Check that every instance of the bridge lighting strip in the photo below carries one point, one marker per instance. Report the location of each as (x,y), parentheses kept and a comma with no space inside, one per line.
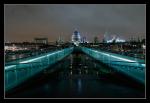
(143,65)
(8,67)
(117,57)
(27,61)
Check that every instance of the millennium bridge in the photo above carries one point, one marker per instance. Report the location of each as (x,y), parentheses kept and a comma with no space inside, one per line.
(20,71)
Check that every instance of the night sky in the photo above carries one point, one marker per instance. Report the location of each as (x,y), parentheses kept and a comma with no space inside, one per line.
(25,22)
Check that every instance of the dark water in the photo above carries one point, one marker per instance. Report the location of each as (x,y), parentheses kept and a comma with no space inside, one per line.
(78,76)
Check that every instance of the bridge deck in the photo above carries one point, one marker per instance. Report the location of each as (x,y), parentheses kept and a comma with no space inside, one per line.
(18,71)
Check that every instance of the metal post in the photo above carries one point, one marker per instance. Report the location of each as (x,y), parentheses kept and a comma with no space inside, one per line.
(16,74)
(103,58)
(41,62)
(47,59)
(6,78)
(31,68)
(109,59)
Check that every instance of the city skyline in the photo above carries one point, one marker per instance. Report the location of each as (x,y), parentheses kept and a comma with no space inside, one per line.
(24,22)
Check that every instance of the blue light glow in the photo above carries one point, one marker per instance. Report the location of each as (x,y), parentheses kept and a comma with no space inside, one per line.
(143,65)
(31,60)
(28,71)
(118,62)
(8,67)
(115,56)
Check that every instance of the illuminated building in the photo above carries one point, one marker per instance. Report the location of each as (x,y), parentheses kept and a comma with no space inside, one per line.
(112,38)
(76,38)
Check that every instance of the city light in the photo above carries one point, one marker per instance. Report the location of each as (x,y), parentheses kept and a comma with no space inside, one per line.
(47,57)
(117,40)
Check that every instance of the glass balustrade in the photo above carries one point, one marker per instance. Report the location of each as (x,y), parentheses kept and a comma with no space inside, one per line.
(18,72)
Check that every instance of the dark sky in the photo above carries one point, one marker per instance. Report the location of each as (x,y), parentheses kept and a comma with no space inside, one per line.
(24,22)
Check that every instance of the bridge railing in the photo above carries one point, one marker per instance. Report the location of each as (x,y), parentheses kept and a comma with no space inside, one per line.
(19,71)
(132,67)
